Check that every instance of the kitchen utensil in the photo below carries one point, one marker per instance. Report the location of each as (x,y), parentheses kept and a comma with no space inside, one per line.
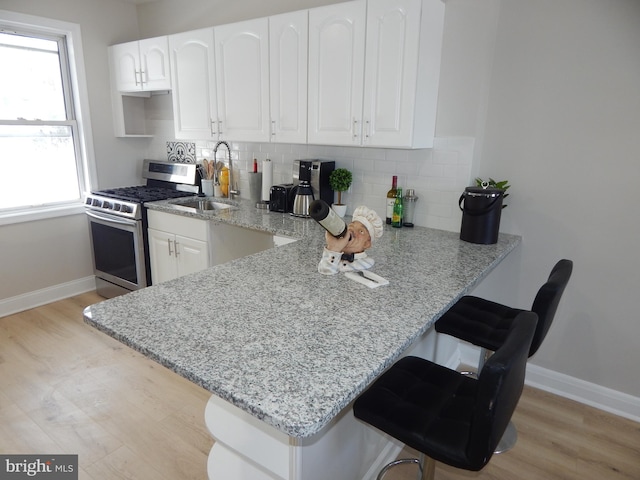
(365,277)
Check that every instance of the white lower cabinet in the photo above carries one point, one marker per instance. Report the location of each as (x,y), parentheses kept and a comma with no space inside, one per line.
(177,246)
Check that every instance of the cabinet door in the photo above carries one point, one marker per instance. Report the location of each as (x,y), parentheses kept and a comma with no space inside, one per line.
(393,32)
(336,73)
(288,53)
(125,63)
(191,255)
(154,63)
(242,68)
(193,84)
(162,256)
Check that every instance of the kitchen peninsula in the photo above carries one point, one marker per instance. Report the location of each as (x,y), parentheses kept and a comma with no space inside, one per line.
(285,350)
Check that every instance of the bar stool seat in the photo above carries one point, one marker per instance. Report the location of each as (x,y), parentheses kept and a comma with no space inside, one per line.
(450,417)
(485,323)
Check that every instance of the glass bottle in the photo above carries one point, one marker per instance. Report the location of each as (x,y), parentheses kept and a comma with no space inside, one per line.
(322,213)
(396,219)
(391,198)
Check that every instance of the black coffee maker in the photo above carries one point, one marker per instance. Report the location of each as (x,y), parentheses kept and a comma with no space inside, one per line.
(319,172)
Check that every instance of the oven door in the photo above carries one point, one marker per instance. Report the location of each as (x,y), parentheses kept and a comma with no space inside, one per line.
(118,253)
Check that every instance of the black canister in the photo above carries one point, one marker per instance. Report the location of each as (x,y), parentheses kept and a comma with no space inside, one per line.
(480,214)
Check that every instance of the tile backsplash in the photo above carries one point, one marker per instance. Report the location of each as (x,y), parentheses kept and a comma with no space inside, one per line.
(438,175)
(181,152)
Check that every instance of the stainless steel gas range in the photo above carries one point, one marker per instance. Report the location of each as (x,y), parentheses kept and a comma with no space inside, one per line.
(118,225)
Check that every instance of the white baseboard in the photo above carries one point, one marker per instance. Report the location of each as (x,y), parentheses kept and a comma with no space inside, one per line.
(19,303)
(602,398)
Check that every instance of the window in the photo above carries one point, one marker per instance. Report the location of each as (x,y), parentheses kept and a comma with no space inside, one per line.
(43,160)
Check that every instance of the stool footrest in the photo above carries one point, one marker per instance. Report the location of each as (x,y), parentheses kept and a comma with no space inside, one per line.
(426,467)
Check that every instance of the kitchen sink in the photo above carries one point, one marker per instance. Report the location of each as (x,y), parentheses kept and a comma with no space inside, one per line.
(202,204)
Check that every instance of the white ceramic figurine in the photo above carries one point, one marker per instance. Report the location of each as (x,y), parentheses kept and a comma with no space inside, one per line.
(348,253)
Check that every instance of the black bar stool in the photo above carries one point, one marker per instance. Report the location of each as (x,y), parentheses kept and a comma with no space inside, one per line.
(447,416)
(485,323)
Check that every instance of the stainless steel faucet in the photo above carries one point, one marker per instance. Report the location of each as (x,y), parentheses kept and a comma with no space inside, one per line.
(231,190)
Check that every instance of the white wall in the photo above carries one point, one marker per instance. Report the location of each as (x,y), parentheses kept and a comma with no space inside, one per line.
(40,255)
(563,125)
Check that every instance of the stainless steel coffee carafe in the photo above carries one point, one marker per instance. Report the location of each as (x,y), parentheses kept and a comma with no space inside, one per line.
(304,197)
(304,192)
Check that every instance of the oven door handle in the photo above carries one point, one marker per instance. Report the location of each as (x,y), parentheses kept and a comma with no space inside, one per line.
(110,218)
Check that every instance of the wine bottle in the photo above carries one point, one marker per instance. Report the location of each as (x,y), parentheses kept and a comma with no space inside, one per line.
(391,198)
(396,219)
(322,213)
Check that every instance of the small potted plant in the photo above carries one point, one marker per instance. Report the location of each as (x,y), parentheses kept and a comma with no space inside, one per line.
(340,181)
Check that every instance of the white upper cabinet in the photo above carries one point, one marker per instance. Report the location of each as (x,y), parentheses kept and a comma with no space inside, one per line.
(361,73)
(141,66)
(384,94)
(336,73)
(288,54)
(242,73)
(195,111)
(402,73)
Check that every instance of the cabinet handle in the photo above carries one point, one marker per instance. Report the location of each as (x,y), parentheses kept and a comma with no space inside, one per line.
(175,244)
(273,128)
(355,128)
(366,130)
(169,244)
(213,132)
(135,77)
(142,77)
(219,127)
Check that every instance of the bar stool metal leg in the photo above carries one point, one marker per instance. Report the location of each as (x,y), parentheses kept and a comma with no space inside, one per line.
(428,467)
(508,440)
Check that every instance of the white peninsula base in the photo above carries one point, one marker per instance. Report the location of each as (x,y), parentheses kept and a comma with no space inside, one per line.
(246,448)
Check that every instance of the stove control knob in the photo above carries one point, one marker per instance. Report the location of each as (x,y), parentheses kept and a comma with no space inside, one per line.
(117,207)
(96,202)
(125,208)
(107,205)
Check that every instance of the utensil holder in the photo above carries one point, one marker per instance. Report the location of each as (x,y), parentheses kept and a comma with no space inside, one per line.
(255,186)
(207,187)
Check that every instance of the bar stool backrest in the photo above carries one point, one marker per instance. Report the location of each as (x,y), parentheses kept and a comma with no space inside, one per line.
(547,299)
(500,385)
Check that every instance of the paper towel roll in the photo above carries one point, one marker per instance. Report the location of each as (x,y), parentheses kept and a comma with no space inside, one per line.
(267,179)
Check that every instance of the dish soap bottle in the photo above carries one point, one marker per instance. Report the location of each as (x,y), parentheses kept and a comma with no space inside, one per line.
(396,219)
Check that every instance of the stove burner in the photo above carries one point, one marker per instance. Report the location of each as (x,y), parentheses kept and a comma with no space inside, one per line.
(142,193)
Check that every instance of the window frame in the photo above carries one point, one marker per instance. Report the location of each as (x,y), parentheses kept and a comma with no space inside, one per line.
(79,98)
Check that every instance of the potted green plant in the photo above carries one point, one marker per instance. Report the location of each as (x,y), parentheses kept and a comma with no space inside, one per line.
(340,181)
(502,185)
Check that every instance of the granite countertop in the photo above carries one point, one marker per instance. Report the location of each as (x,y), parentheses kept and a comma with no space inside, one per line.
(292,347)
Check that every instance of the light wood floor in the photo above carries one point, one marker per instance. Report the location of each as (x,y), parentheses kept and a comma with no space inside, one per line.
(67,388)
